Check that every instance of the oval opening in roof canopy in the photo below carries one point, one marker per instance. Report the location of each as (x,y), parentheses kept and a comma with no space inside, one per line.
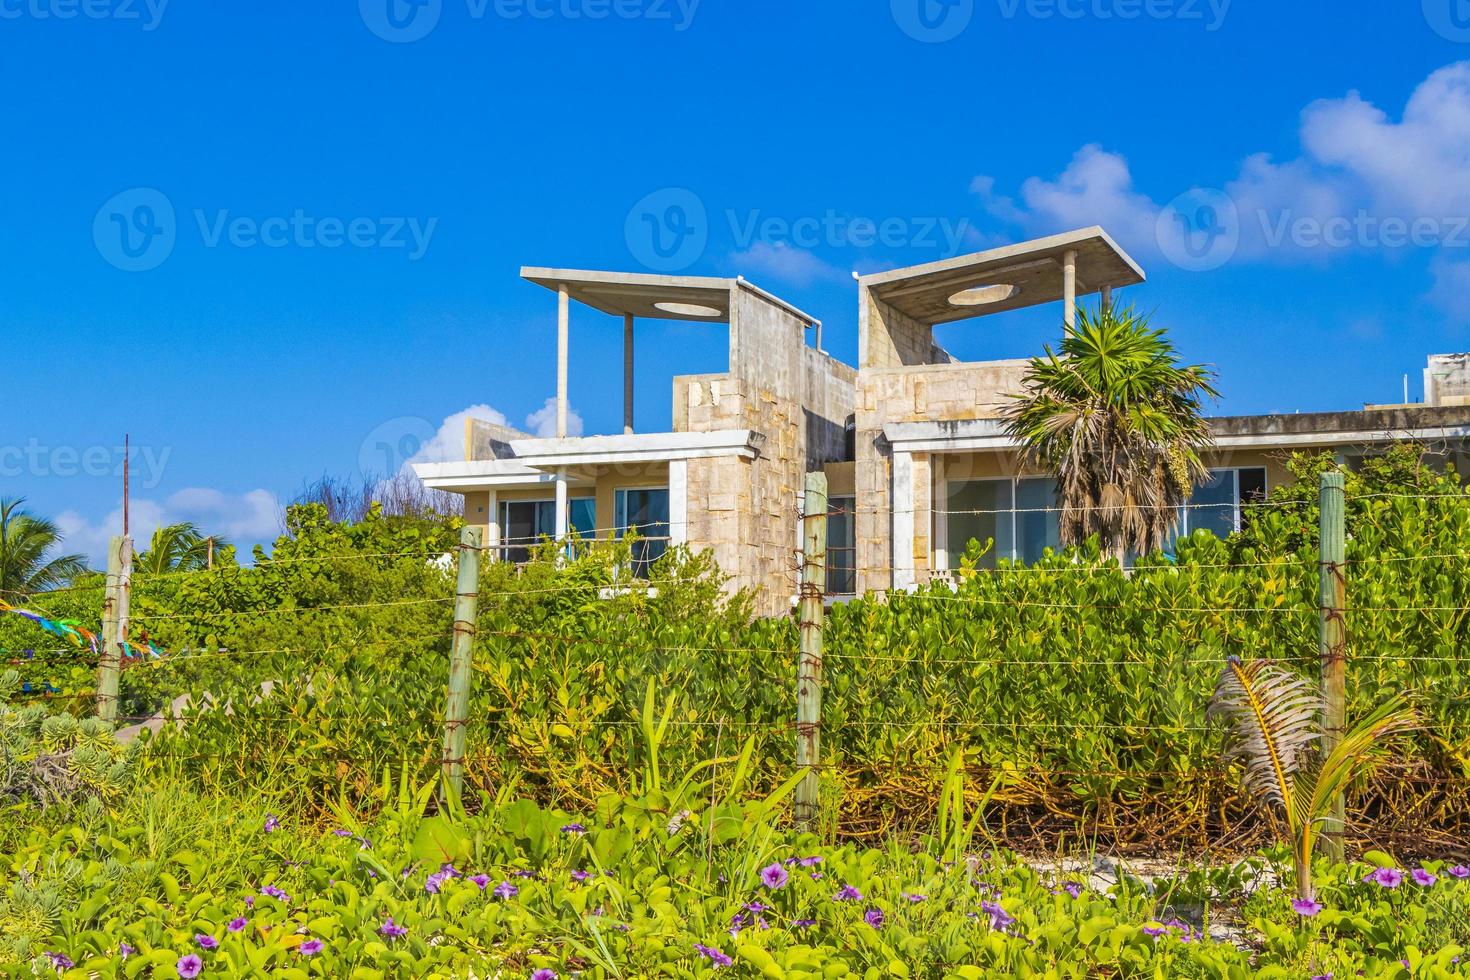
(984,295)
(688,309)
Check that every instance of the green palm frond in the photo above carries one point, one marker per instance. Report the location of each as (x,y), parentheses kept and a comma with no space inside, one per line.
(27,543)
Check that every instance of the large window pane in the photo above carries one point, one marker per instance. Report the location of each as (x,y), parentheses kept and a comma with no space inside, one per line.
(517,530)
(1212,508)
(647,513)
(1038,524)
(980,510)
(584,517)
(841,546)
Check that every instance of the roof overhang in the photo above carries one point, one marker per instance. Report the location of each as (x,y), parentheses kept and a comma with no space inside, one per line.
(639,295)
(1034,269)
(639,448)
(484,474)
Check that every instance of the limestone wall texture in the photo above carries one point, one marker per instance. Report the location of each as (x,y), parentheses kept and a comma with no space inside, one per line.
(925,393)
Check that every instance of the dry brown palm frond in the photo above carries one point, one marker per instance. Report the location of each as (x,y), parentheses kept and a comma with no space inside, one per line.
(1274,717)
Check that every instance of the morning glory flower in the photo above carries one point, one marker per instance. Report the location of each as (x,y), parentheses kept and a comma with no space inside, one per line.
(392,929)
(189,966)
(1073,888)
(506,890)
(1000,919)
(1305,907)
(1155,931)
(311,947)
(60,961)
(271,823)
(574,828)
(774,876)
(1423,878)
(237,924)
(580,875)
(847,893)
(271,891)
(810,862)
(432,883)
(124,950)
(482,880)
(544,974)
(715,957)
(1385,877)
(1459,871)
(1323,976)
(803,923)
(914,897)
(874,918)
(206,941)
(339,832)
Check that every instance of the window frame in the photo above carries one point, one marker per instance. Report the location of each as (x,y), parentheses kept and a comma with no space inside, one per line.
(1238,509)
(503,546)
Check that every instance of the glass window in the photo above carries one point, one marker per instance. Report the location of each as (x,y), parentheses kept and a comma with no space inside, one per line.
(647,513)
(1038,524)
(841,546)
(1252,491)
(980,510)
(1212,508)
(524,523)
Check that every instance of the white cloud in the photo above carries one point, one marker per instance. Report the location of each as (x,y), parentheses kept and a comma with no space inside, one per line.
(1095,189)
(1451,290)
(246,519)
(447,443)
(785,262)
(542,422)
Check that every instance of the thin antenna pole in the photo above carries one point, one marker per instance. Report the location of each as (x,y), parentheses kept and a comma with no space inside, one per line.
(127,446)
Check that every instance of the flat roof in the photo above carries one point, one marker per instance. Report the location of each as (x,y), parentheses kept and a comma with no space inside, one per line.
(1034,268)
(642,295)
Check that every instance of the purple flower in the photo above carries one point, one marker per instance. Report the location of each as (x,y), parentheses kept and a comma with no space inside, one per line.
(580,875)
(206,941)
(1305,907)
(1423,878)
(847,893)
(1073,888)
(914,897)
(544,974)
(449,871)
(432,883)
(339,832)
(271,823)
(271,891)
(874,918)
(482,880)
(506,890)
(250,901)
(774,876)
(1000,919)
(189,966)
(1385,877)
(1154,931)
(803,923)
(817,876)
(716,958)
(810,862)
(1458,871)
(391,929)
(60,961)
(574,828)
(311,947)
(1323,976)
(238,924)
(124,950)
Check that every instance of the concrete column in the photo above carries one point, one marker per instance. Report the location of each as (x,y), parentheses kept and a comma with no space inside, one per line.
(1069,289)
(628,374)
(678,501)
(563,506)
(563,318)
(903,520)
(492,525)
(1107,298)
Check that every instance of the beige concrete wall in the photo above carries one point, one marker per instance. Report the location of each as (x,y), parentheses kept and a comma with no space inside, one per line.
(925,393)
(889,338)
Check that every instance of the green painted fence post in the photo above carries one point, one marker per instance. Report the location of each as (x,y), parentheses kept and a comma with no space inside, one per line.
(114,624)
(809,669)
(456,709)
(1333,641)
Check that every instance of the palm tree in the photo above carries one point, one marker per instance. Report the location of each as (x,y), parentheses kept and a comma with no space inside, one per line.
(26,562)
(181,548)
(1118,421)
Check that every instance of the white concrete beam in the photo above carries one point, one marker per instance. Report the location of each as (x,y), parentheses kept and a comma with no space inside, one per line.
(563,318)
(903,520)
(679,501)
(1069,288)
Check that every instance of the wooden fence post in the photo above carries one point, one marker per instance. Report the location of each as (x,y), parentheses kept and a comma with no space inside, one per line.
(809,669)
(114,624)
(456,709)
(1333,641)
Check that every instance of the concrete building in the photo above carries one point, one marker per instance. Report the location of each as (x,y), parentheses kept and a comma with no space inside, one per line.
(726,478)
(917,459)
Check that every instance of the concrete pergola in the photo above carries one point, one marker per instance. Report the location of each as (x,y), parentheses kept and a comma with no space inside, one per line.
(698,299)
(1045,270)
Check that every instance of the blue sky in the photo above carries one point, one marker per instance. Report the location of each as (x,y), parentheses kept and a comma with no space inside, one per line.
(327,204)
